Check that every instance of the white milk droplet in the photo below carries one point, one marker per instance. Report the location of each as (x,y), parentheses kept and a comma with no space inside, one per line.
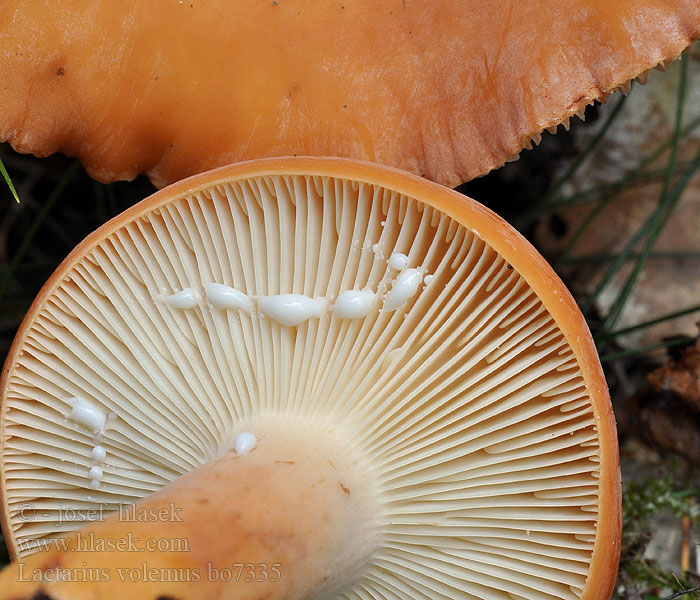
(244,442)
(99,453)
(375,248)
(428,279)
(95,483)
(291,309)
(95,473)
(86,414)
(398,261)
(224,296)
(354,304)
(405,287)
(187,298)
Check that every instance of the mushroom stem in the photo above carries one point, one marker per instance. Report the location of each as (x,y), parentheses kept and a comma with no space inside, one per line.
(294,518)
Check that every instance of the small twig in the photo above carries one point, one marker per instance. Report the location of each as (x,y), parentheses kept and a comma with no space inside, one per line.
(694,590)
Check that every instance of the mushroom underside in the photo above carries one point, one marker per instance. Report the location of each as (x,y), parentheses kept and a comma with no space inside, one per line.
(328,304)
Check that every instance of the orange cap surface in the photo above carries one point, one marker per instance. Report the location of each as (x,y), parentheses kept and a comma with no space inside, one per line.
(445,89)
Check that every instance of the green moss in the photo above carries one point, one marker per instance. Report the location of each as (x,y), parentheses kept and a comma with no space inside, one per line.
(642,503)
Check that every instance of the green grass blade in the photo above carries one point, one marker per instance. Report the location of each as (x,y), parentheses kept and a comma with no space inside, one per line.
(526,219)
(608,335)
(667,202)
(654,224)
(7,276)
(615,267)
(581,229)
(677,127)
(670,343)
(689,493)
(599,208)
(657,219)
(639,176)
(8,181)
(607,257)
(640,173)
(585,153)
(656,227)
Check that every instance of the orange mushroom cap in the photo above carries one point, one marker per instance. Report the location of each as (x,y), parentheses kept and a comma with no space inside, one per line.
(445,89)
